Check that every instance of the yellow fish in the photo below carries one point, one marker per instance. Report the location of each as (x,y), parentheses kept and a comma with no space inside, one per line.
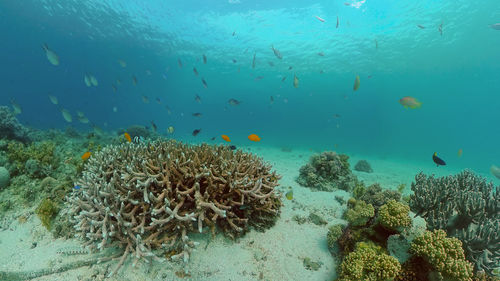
(226,138)
(127,137)
(295,81)
(86,155)
(459,153)
(254,137)
(410,102)
(356,83)
(170,130)
(289,194)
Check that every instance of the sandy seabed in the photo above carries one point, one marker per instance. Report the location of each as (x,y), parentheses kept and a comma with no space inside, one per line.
(276,254)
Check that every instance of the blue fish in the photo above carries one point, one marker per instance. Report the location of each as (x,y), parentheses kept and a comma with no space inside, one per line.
(77,187)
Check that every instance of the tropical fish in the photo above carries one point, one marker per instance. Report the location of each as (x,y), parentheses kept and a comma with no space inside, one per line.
(421,26)
(169,112)
(460,152)
(197,114)
(356,83)
(253,61)
(66,115)
(134,80)
(179,62)
(158,100)
(127,137)
(97,130)
(196,132)
(289,194)
(295,81)
(438,160)
(232,147)
(16,107)
(114,88)
(86,155)
(234,33)
(145,99)
(276,52)
(271,100)
(290,67)
(259,78)
(86,79)
(83,119)
(204,82)
(93,80)
(80,114)
(321,54)
(320,19)
(234,61)
(204,59)
(270,63)
(495,171)
(122,63)
(77,187)
(440,29)
(410,102)
(254,137)
(212,138)
(170,130)
(226,138)
(337,26)
(376,44)
(153,125)
(283,79)
(51,56)
(195,71)
(233,102)
(495,26)
(118,82)
(53,99)
(197,99)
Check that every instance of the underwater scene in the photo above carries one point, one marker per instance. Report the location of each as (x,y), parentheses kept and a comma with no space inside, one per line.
(350,140)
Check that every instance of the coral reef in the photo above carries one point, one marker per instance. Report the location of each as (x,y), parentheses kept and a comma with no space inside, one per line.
(468,208)
(334,233)
(445,255)
(414,269)
(150,196)
(359,213)
(363,166)
(37,159)
(394,215)
(327,171)
(46,211)
(10,128)
(4,178)
(398,245)
(138,131)
(377,197)
(368,262)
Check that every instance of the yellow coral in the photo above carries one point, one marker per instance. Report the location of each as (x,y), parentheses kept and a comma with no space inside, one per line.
(394,215)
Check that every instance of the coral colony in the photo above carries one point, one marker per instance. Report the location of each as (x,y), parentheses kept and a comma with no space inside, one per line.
(150,196)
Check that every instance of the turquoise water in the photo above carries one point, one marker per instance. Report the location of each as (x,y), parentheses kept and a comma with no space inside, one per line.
(454,75)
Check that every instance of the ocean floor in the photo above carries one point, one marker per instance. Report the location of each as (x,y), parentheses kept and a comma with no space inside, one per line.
(287,251)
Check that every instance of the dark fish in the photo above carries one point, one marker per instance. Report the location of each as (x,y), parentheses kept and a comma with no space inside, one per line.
(253,61)
(212,139)
(234,33)
(272,100)
(290,67)
(114,87)
(197,99)
(440,28)
(204,59)
(234,61)
(283,79)
(196,114)
(153,125)
(321,54)
(204,83)
(495,26)
(421,26)
(336,115)
(232,147)
(438,160)
(233,102)
(258,78)
(196,132)
(270,63)
(376,44)
(158,100)
(276,53)
(195,71)
(134,80)
(168,109)
(179,62)
(337,22)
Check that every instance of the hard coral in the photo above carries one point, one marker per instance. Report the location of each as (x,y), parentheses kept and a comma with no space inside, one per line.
(368,263)
(468,208)
(327,171)
(394,215)
(334,233)
(377,197)
(46,211)
(363,166)
(10,128)
(360,213)
(150,196)
(32,159)
(445,255)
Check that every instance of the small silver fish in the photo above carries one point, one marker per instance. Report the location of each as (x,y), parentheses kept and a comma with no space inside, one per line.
(204,59)
(233,102)
(253,61)
(195,71)
(276,53)
(495,26)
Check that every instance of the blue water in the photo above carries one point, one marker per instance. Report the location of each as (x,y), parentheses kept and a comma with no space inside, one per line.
(455,75)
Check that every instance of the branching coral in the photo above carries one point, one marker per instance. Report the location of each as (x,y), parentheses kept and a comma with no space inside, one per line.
(327,171)
(468,208)
(394,215)
(445,255)
(368,263)
(150,196)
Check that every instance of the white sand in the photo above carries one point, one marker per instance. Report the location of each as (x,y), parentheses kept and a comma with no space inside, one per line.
(276,254)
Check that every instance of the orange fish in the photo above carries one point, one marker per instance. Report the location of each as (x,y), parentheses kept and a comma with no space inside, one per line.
(410,102)
(86,155)
(253,137)
(226,138)
(459,153)
(127,136)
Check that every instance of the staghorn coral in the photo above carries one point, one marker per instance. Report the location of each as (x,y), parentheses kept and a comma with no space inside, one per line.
(327,171)
(445,255)
(10,128)
(468,208)
(359,213)
(363,166)
(150,196)
(394,215)
(368,262)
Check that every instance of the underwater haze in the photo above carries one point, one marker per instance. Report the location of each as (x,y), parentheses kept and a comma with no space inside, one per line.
(443,54)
